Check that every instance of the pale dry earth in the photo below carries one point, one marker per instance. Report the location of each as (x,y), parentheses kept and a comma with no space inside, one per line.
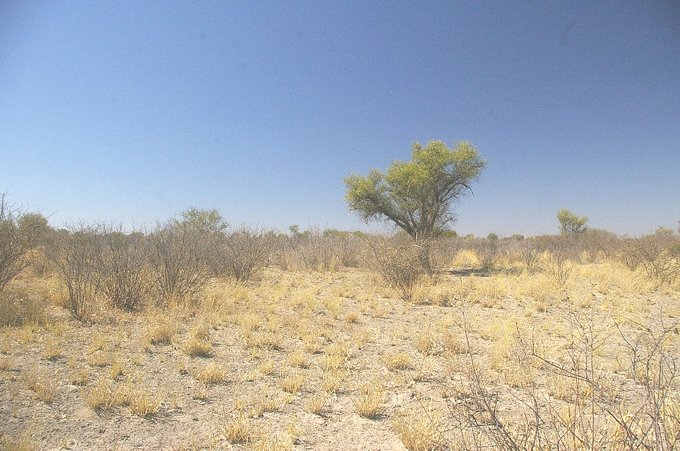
(342,335)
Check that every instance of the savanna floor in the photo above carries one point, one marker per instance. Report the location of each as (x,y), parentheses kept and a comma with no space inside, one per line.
(335,360)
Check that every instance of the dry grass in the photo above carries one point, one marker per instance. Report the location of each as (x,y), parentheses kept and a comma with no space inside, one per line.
(298,359)
(293,383)
(22,442)
(117,368)
(160,332)
(332,381)
(422,430)
(141,400)
(267,401)
(399,361)
(238,430)
(42,384)
(53,349)
(105,394)
(309,351)
(100,359)
(369,401)
(7,362)
(212,374)
(197,347)
(316,404)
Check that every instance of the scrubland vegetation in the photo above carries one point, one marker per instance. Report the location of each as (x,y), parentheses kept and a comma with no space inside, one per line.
(198,335)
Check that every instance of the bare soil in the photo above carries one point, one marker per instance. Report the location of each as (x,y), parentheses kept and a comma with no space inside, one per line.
(319,327)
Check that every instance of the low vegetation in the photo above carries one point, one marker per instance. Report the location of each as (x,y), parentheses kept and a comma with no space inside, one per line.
(322,339)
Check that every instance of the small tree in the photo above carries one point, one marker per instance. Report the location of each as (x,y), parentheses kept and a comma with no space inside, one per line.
(417,195)
(207,221)
(570,223)
(19,234)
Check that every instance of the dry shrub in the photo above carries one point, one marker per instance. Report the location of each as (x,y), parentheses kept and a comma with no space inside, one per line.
(312,250)
(422,430)
(73,255)
(444,250)
(242,254)
(399,261)
(177,256)
(487,251)
(19,234)
(119,266)
(525,252)
(586,406)
(658,255)
(17,307)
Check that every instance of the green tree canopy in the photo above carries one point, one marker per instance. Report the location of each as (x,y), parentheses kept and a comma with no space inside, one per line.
(203,220)
(571,223)
(417,195)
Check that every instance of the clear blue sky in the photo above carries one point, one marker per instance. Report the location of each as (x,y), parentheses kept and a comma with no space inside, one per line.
(133,111)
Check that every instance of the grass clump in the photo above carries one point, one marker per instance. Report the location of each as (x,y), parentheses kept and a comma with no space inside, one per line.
(42,385)
(369,403)
(422,431)
(104,395)
(398,362)
(238,430)
(212,374)
(197,347)
(18,308)
(293,383)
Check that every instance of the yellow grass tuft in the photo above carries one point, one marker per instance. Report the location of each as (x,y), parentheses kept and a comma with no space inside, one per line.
(212,374)
(422,431)
(104,395)
(238,430)
(398,361)
(293,383)
(316,404)
(42,384)
(197,347)
(369,403)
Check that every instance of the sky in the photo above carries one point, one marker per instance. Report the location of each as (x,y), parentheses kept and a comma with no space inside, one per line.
(132,111)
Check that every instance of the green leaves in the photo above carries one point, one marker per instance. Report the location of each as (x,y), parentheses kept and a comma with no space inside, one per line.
(571,223)
(416,195)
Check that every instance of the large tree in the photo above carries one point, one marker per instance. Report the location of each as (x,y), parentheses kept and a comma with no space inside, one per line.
(417,195)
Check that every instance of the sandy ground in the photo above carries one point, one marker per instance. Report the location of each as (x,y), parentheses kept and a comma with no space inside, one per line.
(342,335)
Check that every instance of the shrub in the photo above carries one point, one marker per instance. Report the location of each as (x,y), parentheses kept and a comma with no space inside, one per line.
(18,235)
(526,253)
(18,308)
(119,266)
(241,254)
(658,255)
(177,256)
(73,256)
(487,251)
(314,251)
(399,262)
